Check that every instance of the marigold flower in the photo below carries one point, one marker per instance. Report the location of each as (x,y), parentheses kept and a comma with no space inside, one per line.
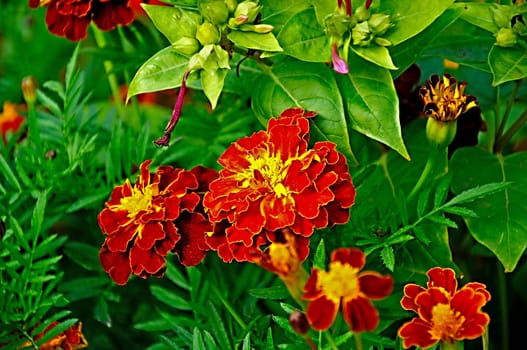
(71,339)
(445,314)
(70,18)
(271,181)
(10,120)
(156,215)
(444,99)
(345,284)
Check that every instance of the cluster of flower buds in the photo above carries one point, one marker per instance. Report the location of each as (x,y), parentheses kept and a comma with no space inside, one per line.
(511,24)
(367,27)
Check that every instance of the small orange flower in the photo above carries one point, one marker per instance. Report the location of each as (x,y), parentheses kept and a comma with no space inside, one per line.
(10,120)
(446,314)
(345,284)
(71,339)
(145,221)
(270,181)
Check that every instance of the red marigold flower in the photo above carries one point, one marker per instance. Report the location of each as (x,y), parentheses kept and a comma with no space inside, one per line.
(159,214)
(270,181)
(345,284)
(71,339)
(70,18)
(10,120)
(445,314)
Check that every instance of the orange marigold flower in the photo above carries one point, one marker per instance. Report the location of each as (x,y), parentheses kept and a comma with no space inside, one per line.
(345,284)
(270,181)
(10,120)
(70,18)
(445,314)
(145,221)
(71,339)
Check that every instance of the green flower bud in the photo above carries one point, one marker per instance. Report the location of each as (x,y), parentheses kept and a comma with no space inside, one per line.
(362,13)
(231,5)
(500,15)
(361,35)
(207,33)
(29,89)
(518,25)
(336,24)
(186,46)
(246,11)
(214,11)
(440,133)
(505,37)
(198,60)
(379,23)
(256,28)
(382,41)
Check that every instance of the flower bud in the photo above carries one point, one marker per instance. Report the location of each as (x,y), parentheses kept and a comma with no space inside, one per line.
(214,11)
(231,5)
(29,89)
(361,34)
(246,11)
(379,23)
(500,15)
(505,37)
(336,24)
(298,321)
(382,41)
(207,33)
(440,133)
(257,28)
(518,25)
(362,13)
(187,46)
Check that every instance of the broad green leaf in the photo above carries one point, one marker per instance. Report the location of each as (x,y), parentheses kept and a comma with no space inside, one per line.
(257,41)
(162,71)
(308,85)
(212,82)
(323,8)
(507,64)
(173,22)
(411,17)
(478,14)
(276,13)
(501,225)
(371,103)
(303,37)
(375,54)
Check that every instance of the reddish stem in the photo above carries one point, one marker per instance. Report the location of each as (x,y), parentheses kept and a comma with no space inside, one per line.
(339,3)
(176,113)
(368,3)
(348,7)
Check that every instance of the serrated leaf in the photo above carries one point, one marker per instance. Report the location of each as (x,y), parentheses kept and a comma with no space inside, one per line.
(378,55)
(304,38)
(442,191)
(271,293)
(269,342)
(421,235)
(197,340)
(501,225)
(256,41)
(212,83)
(388,257)
(422,201)
(461,211)
(507,64)
(218,328)
(173,22)
(308,85)
(411,17)
(441,220)
(38,214)
(372,104)
(319,260)
(164,70)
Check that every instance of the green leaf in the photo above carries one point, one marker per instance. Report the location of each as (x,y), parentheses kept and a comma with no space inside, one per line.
(257,41)
(378,55)
(173,22)
(319,260)
(304,38)
(90,199)
(6,171)
(38,214)
(411,17)
(461,211)
(441,220)
(477,192)
(277,13)
(170,298)
(507,64)
(83,254)
(388,257)
(212,82)
(61,327)
(269,342)
(218,328)
(197,340)
(272,293)
(501,225)
(478,14)
(372,103)
(310,86)
(101,312)
(162,71)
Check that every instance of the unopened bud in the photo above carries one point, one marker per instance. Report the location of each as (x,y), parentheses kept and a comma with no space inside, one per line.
(29,89)
(505,37)
(256,28)
(518,25)
(187,46)
(247,11)
(214,11)
(440,133)
(336,24)
(207,33)
(382,41)
(361,34)
(379,23)
(231,5)
(500,15)
(362,13)
(298,321)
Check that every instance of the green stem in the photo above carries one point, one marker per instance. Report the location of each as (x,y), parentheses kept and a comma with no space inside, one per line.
(448,346)
(228,306)
(29,338)
(504,315)
(34,131)
(429,166)
(331,341)
(358,341)
(100,40)
(502,141)
(510,103)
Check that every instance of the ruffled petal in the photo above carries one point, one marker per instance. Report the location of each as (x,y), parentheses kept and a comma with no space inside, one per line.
(360,314)
(374,285)
(417,333)
(321,313)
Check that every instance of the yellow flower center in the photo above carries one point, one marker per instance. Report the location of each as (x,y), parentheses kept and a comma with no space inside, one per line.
(266,171)
(139,200)
(445,322)
(340,281)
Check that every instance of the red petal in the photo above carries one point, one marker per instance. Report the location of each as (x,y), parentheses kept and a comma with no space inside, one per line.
(107,15)
(428,299)
(374,285)
(360,314)
(445,278)
(321,313)
(162,247)
(146,262)
(349,256)
(410,293)
(311,290)
(119,241)
(251,220)
(111,221)
(116,264)
(416,333)
(479,288)
(149,234)
(191,249)
(204,176)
